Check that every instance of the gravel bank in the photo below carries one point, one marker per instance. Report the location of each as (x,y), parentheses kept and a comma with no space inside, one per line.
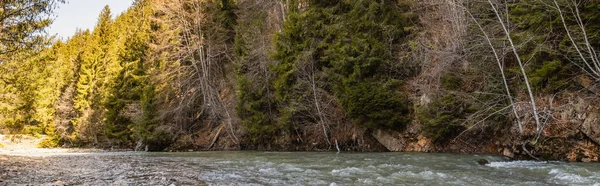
(95,169)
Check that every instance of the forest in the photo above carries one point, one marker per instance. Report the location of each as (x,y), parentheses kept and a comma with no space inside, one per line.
(519,78)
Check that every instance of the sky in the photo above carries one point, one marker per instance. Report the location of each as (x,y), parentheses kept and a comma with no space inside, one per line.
(82,14)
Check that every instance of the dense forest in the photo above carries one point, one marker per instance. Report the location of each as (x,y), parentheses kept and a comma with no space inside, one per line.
(520,78)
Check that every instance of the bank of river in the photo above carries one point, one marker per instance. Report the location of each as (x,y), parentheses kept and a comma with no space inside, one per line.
(285,168)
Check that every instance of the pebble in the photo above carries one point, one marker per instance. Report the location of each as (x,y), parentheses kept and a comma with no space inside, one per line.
(90,170)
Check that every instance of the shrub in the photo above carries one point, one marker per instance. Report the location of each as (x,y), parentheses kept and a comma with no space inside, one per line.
(451,82)
(375,106)
(50,142)
(442,119)
(252,108)
(550,76)
(158,140)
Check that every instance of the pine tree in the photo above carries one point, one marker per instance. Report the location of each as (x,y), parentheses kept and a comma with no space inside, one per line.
(23,24)
(98,67)
(342,42)
(131,85)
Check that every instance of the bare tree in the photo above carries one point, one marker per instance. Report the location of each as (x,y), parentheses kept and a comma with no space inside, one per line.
(306,76)
(198,65)
(590,63)
(521,66)
(501,67)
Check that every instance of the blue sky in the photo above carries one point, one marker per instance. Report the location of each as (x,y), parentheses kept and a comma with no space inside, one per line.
(82,14)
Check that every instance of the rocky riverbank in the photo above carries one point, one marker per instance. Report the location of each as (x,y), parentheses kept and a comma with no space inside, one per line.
(96,169)
(22,163)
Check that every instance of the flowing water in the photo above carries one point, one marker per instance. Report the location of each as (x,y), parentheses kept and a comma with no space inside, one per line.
(382,169)
(313,168)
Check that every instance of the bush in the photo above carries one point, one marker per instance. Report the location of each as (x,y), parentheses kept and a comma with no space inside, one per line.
(34,130)
(252,108)
(50,142)
(258,125)
(550,76)
(451,82)
(442,119)
(159,140)
(375,106)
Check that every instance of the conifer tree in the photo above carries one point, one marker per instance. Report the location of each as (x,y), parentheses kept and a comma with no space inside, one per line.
(22,24)
(98,67)
(343,43)
(130,86)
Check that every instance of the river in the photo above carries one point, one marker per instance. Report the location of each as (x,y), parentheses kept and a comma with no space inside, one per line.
(287,168)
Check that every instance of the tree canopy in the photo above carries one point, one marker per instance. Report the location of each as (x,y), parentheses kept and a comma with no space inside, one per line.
(22,23)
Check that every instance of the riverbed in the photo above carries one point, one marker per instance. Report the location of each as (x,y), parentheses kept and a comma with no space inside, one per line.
(285,168)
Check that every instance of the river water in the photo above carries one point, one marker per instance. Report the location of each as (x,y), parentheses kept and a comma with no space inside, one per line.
(312,168)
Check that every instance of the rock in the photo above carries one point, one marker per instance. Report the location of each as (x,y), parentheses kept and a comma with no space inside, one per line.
(508,153)
(424,144)
(483,162)
(424,100)
(590,126)
(388,140)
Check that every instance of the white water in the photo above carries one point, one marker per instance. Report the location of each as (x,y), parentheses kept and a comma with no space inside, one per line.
(301,168)
(289,168)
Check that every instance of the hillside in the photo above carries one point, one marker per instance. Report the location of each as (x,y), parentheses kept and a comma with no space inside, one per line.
(517,78)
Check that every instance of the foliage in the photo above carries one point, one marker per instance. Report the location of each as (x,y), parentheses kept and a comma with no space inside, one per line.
(25,99)
(105,69)
(51,142)
(551,76)
(443,119)
(380,108)
(252,111)
(131,85)
(23,24)
(451,82)
(343,42)
(169,71)
(545,42)
(255,100)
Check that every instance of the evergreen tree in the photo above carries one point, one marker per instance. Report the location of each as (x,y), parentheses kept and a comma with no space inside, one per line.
(343,41)
(22,24)
(130,88)
(98,68)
